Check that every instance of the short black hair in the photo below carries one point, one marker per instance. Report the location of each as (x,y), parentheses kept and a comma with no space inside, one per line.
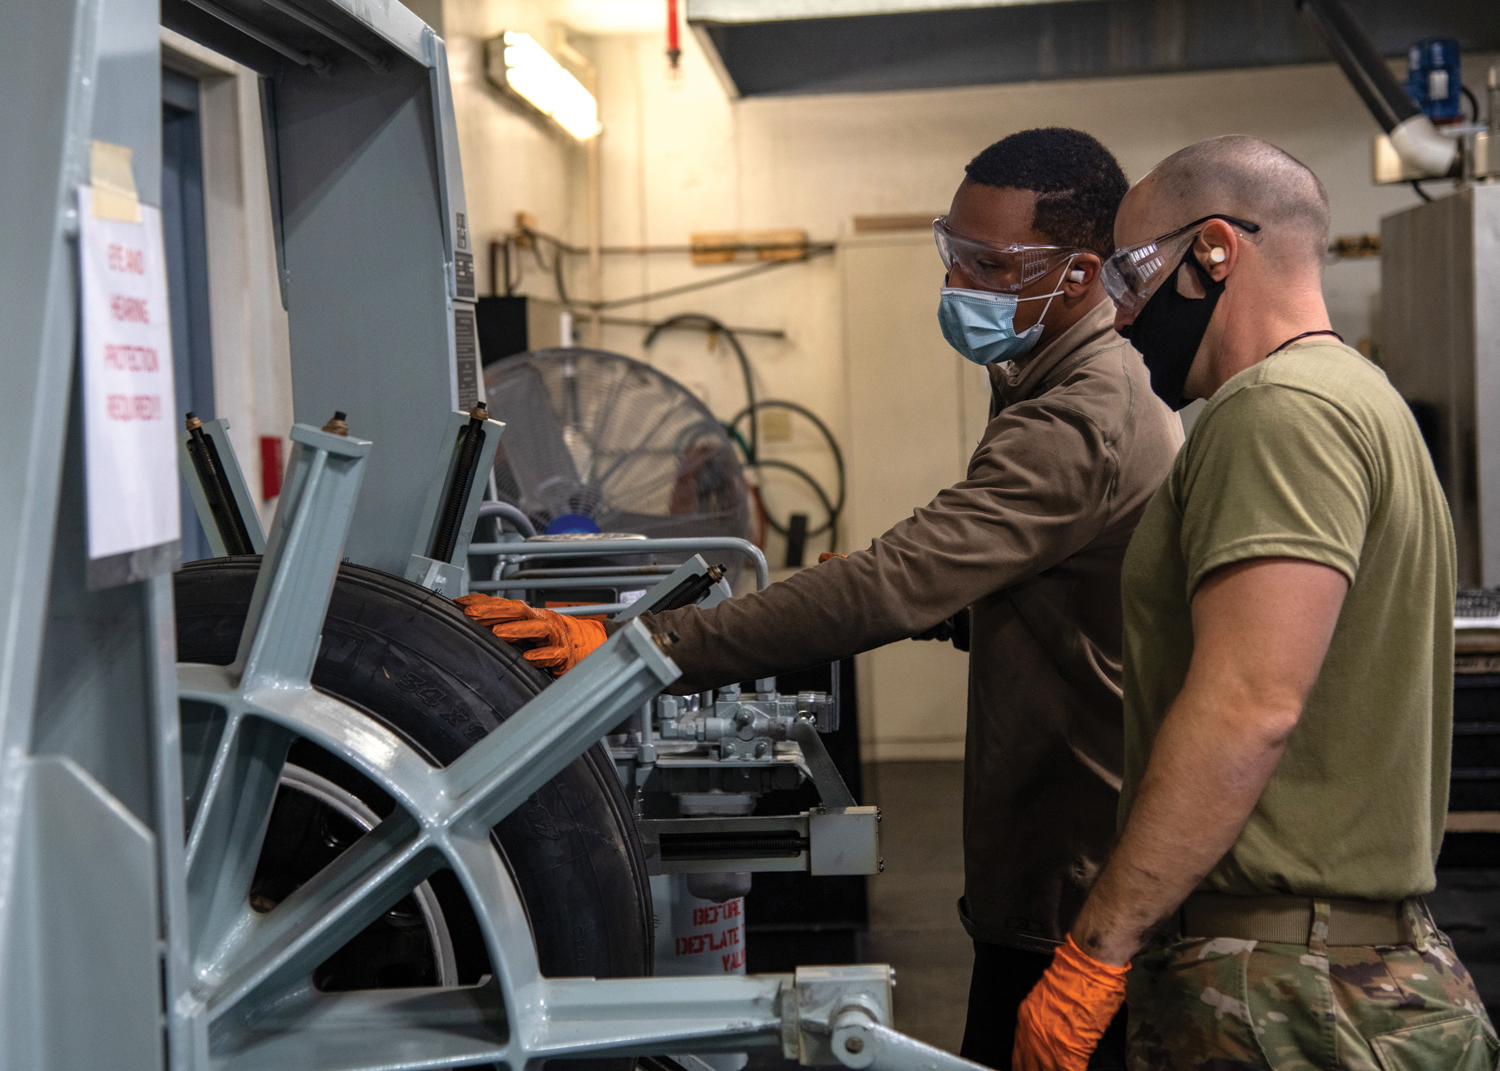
(1077,181)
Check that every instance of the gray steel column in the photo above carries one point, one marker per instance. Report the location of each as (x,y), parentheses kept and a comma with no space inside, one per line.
(86,677)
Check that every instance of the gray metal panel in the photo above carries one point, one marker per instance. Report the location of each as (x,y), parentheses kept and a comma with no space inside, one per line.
(456,238)
(1427,347)
(129,74)
(46,78)
(93,704)
(82,671)
(368,306)
(1486,247)
(94,700)
(86,895)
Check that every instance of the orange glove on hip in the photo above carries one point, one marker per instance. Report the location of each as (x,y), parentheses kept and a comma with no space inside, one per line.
(564,641)
(827,554)
(1061,1020)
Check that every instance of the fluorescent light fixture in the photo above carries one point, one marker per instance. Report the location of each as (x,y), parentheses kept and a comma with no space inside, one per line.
(528,71)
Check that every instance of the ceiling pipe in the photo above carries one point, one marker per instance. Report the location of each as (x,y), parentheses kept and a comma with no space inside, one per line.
(674,41)
(1412,134)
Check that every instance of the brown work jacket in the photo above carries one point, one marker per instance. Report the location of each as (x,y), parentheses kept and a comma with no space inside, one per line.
(1032,542)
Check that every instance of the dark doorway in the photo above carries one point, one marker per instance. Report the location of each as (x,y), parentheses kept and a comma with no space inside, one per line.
(185,236)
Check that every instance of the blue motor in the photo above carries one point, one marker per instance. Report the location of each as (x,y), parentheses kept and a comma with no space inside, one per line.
(1434,79)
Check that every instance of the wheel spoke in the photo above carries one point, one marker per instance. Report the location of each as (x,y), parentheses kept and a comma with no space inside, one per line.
(618,1016)
(375,1029)
(228,828)
(497,774)
(279,953)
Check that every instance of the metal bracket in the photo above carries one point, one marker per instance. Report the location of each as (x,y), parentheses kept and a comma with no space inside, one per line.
(217,432)
(822,995)
(449,575)
(825,841)
(594,547)
(693,567)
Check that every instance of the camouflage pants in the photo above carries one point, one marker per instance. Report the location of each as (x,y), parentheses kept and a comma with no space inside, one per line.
(1222,1004)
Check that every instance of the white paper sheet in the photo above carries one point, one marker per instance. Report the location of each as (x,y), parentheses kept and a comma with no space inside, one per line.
(129,404)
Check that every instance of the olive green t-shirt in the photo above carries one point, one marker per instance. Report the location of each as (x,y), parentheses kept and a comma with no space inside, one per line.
(1312,454)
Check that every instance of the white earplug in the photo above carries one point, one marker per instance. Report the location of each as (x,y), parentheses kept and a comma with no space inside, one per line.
(1076,275)
(1217,255)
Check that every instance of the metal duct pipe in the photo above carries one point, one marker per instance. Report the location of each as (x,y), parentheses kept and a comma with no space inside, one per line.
(1412,134)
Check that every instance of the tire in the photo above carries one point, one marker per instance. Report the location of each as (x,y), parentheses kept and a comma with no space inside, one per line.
(410,658)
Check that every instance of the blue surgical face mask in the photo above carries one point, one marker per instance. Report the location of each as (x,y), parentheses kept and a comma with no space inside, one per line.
(980,324)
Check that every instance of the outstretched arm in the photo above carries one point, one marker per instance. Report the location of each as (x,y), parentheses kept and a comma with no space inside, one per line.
(1038,490)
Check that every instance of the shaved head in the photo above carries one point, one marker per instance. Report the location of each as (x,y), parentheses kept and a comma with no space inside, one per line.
(1241,176)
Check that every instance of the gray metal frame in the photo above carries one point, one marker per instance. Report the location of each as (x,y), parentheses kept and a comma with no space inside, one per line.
(515,554)
(218,431)
(117,921)
(372,235)
(1440,346)
(90,801)
(252,1004)
(451,577)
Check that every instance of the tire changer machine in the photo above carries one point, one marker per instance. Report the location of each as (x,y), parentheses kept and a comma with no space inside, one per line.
(136,791)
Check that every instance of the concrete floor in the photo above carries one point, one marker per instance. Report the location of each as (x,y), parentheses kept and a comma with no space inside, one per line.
(913,905)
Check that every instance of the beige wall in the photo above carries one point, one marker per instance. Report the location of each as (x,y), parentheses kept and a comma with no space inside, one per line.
(678,158)
(512,161)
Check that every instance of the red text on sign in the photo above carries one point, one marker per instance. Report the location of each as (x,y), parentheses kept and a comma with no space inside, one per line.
(708,916)
(131,309)
(130,358)
(133,406)
(123,258)
(707,942)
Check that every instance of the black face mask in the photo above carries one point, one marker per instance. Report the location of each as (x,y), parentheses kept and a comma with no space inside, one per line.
(1168,330)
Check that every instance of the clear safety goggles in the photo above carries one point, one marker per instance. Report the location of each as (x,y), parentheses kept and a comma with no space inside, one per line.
(1003,268)
(1132,274)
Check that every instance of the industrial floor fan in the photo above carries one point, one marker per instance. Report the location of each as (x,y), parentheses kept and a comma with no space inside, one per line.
(599,442)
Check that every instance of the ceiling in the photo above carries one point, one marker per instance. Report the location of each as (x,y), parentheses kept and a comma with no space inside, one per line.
(786,47)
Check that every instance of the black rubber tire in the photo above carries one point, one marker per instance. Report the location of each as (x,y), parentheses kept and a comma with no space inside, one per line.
(411,659)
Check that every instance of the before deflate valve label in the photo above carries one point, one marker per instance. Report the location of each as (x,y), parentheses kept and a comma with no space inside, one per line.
(466,355)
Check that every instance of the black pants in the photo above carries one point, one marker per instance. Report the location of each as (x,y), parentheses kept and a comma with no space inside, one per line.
(1002,978)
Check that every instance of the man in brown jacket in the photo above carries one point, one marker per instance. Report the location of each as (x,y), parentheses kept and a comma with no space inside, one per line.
(1031,542)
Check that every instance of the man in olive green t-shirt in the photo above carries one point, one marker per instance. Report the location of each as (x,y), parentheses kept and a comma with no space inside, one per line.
(1288,601)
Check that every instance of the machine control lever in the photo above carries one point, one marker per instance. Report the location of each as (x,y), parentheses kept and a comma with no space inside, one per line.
(221,502)
(689,591)
(463,481)
(825,774)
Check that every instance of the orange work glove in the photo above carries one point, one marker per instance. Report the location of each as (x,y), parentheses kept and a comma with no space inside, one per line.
(565,641)
(829,554)
(1064,1016)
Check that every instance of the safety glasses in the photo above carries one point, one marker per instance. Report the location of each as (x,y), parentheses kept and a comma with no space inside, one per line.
(1003,268)
(1132,274)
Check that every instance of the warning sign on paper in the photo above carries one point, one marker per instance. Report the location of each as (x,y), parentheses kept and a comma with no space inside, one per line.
(128,399)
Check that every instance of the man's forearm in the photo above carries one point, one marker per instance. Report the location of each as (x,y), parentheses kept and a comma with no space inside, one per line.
(838,608)
(1209,765)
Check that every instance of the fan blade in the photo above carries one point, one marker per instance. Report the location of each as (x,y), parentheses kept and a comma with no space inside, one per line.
(535,443)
